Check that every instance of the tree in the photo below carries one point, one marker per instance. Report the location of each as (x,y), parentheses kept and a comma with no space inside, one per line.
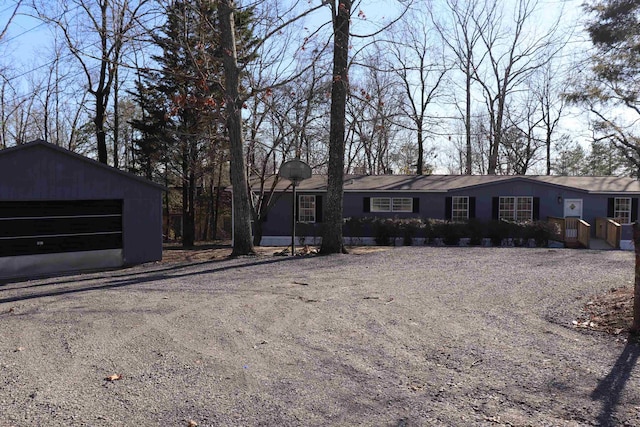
(276,22)
(421,68)
(180,101)
(512,54)
(233,101)
(462,37)
(604,159)
(549,92)
(332,232)
(374,117)
(571,158)
(612,86)
(113,23)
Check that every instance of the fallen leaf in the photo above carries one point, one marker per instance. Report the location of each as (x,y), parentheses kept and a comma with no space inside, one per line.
(19,349)
(192,423)
(114,377)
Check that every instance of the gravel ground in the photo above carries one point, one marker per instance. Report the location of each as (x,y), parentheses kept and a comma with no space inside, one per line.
(409,336)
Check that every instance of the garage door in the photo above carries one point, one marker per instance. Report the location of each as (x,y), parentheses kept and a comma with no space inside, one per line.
(47,227)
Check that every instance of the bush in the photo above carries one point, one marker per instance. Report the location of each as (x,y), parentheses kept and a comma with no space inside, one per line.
(410,229)
(475,231)
(449,232)
(497,231)
(540,231)
(384,230)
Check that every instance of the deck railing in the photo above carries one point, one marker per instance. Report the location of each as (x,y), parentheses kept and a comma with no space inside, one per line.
(584,233)
(610,230)
(570,230)
(613,233)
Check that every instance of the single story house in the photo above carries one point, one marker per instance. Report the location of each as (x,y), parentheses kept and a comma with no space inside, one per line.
(60,212)
(460,197)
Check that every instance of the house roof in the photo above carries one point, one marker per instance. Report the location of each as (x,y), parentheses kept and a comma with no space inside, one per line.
(93,163)
(446,183)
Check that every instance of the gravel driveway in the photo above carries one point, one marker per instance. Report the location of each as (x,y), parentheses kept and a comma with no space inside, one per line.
(409,336)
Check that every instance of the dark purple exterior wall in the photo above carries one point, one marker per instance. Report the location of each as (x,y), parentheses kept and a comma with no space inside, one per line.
(432,204)
(43,172)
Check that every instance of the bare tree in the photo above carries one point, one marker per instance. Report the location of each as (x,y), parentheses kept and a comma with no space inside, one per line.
(332,232)
(96,33)
(462,33)
(374,116)
(419,63)
(548,85)
(513,53)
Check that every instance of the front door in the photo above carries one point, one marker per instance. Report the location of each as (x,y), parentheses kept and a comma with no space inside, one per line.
(572,213)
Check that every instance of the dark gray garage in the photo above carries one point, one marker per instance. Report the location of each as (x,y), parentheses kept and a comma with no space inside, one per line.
(60,211)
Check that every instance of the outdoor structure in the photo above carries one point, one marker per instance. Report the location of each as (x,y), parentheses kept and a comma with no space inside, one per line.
(602,207)
(60,211)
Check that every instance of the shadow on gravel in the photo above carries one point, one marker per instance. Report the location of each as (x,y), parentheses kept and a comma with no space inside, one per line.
(132,279)
(610,388)
(63,278)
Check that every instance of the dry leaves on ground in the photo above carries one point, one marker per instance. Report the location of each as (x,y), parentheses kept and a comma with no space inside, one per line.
(611,312)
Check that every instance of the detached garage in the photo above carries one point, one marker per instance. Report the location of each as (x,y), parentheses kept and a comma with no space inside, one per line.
(60,211)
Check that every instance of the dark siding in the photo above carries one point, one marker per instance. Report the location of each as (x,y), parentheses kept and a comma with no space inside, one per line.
(318,208)
(447,208)
(610,207)
(47,173)
(472,207)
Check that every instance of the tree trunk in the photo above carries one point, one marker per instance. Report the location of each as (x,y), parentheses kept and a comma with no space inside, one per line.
(332,232)
(420,165)
(635,327)
(467,119)
(242,243)
(98,121)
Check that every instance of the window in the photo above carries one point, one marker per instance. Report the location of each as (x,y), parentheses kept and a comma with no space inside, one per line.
(459,208)
(515,208)
(388,204)
(307,208)
(402,204)
(622,210)
(380,204)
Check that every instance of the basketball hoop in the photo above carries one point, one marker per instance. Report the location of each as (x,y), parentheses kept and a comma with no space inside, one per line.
(295,171)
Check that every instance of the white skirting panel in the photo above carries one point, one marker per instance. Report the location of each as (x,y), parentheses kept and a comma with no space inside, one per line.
(315,241)
(38,265)
(627,245)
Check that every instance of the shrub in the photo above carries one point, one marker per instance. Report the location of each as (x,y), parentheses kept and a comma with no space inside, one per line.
(475,231)
(497,231)
(384,231)
(410,229)
(449,232)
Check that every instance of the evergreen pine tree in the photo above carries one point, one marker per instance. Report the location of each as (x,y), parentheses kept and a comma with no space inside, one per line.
(181,100)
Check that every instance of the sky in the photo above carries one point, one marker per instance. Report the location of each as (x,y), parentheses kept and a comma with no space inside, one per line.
(29,40)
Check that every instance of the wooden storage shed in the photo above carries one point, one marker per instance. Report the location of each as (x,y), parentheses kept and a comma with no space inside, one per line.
(61,212)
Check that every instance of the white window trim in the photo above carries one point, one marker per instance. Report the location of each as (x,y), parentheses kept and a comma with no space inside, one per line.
(454,210)
(391,205)
(616,212)
(312,211)
(515,207)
